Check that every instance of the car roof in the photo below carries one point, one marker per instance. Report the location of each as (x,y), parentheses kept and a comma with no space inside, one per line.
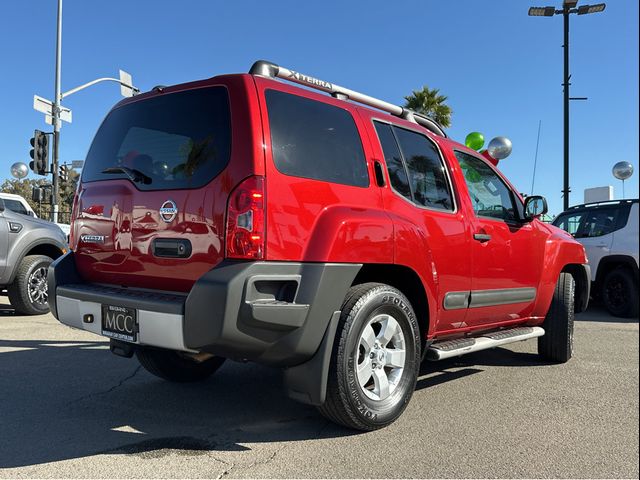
(606,203)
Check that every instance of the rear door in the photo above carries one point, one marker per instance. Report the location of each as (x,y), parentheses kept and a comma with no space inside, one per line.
(420,199)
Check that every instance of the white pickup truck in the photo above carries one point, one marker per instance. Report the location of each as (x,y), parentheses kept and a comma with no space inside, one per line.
(18,204)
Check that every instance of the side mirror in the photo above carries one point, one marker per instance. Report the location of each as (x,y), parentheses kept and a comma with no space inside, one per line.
(1,205)
(534,206)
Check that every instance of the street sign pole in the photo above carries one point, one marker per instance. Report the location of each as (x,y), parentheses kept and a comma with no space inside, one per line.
(56,119)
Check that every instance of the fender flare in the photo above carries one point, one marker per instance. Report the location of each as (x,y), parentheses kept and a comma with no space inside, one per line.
(24,250)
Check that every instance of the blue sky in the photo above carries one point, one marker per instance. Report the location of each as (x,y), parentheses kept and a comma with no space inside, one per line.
(501,69)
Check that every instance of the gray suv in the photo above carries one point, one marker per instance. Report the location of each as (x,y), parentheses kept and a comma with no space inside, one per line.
(28,245)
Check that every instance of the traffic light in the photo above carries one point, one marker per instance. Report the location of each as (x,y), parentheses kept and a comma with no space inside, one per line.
(64,174)
(39,153)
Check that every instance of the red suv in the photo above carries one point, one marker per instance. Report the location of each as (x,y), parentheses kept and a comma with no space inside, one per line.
(247,218)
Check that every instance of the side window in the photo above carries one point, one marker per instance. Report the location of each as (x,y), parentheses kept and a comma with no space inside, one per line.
(489,195)
(427,177)
(15,206)
(315,140)
(598,222)
(393,159)
(569,222)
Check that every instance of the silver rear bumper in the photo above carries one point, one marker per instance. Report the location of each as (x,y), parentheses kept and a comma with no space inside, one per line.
(155,329)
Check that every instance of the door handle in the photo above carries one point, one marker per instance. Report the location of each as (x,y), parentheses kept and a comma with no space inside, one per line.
(482,237)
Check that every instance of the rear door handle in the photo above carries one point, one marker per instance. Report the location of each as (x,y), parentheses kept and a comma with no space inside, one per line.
(482,237)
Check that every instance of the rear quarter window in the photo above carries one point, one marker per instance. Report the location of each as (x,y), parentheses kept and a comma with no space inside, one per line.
(314,140)
(178,140)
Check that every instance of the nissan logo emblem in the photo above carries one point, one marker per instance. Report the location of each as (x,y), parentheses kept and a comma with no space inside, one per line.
(168,211)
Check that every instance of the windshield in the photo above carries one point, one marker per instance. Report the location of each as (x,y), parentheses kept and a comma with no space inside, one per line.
(176,141)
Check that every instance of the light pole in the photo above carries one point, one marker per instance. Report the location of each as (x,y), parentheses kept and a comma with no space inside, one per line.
(56,118)
(55,113)
(568,7)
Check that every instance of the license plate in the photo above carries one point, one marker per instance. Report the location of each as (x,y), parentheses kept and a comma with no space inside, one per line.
(120,323)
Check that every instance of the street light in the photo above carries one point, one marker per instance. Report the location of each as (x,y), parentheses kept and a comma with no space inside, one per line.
(568,7)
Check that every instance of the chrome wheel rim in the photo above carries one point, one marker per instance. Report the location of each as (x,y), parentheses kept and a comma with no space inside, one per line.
(37,289)
(381,357)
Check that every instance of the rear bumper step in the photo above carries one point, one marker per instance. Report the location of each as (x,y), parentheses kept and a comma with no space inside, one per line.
(274,313)
(462,346)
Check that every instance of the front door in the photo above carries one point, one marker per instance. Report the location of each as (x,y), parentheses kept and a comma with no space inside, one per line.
(507,254)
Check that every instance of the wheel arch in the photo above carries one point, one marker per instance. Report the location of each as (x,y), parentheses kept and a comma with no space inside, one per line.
(582,281)
(407,281)
(612,262)
(44,246)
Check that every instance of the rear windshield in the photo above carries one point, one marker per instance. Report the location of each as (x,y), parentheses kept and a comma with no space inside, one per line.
(173,141)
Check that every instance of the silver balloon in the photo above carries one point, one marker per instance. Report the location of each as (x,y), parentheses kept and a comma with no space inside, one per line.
(19,170)
(500,148)
(622,170)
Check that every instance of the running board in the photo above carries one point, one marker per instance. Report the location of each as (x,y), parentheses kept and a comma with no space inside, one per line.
(461,346)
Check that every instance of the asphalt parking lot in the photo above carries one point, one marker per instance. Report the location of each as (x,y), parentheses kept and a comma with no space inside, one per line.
(71,409)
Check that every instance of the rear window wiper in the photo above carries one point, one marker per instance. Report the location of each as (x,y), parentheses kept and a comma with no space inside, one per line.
(134,175)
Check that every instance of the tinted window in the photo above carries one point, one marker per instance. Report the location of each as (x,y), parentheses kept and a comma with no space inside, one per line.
(315,140)
(426,171)
(489,194)
(393,159)
(593,222)
(178,140)
(598,222)
(15,206)
(569,222)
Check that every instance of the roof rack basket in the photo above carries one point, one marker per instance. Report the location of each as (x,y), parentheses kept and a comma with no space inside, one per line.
(268,69)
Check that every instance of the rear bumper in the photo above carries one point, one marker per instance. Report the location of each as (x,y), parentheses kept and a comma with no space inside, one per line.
(269,312)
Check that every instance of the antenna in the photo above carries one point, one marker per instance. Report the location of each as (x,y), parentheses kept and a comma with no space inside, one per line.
(535,159)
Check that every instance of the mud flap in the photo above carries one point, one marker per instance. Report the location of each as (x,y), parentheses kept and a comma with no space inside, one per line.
(307,382)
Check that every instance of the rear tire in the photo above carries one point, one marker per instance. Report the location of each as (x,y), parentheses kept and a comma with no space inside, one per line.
(620,293)
(375,360)
(28,293)
(176,366)
(556,345)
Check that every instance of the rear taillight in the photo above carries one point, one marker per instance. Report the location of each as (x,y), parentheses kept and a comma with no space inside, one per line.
(245,220)
(74,212)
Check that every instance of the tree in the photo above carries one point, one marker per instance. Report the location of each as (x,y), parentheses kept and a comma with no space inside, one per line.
(429,102)
(25,186)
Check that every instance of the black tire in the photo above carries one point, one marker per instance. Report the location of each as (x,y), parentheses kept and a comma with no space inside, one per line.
(556,345)
(176,366)
(346,401)
(620,293)
(26,300)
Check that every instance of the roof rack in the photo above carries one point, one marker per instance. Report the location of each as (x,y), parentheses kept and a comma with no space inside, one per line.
(271,70)
(604,202)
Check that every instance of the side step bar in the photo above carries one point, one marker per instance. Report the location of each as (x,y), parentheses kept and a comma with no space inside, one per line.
(461,346)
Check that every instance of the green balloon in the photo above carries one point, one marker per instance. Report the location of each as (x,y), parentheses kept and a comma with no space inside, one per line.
(475,141)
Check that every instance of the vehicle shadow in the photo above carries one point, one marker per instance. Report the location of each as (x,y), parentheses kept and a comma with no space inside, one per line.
(597,313)
(64,400)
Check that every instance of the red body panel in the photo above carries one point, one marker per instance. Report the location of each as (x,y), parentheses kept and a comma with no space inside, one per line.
(315,221)
(129,218)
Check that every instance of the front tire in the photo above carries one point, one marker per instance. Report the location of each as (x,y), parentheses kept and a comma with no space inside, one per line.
(620,293)
(29,291)
(176,366)
(375,360)
(556,345)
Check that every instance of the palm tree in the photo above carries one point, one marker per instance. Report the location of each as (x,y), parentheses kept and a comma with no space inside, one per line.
(429,102)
